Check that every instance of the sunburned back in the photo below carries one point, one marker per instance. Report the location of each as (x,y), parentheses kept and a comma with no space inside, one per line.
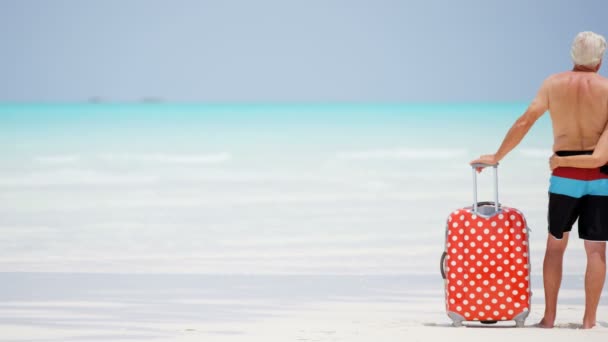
(578,103)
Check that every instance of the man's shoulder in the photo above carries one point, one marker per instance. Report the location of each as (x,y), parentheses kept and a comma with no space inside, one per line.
(568,75)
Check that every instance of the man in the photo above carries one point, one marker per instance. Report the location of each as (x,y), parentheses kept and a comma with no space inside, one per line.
(577,101)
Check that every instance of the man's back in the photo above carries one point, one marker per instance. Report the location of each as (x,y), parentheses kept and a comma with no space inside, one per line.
(578,103)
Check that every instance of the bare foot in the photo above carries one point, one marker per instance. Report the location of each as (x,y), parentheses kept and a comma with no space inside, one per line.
(544,323)
(588,325)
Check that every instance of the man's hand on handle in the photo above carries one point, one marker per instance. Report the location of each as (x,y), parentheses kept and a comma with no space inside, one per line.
(489,159)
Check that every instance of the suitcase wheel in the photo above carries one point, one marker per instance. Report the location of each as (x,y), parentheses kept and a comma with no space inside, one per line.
(488,322)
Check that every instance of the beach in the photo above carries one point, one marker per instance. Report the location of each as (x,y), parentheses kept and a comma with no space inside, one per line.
(161,222)
(93,307)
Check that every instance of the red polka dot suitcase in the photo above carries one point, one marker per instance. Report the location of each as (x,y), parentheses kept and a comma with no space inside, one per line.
(486,265)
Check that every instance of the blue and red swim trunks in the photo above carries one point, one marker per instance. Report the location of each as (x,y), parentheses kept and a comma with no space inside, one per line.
(582,194)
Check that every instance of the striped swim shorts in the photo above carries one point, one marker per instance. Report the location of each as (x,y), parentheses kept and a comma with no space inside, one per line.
(582,194)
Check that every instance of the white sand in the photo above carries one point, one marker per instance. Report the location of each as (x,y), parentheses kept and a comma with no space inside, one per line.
(258,308)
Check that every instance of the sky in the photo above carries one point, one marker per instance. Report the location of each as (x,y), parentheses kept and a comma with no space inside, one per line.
(287,50)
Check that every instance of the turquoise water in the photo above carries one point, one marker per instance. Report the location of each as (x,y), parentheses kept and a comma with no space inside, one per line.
(238,188)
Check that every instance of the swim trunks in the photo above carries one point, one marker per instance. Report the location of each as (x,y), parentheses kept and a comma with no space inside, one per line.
(576,193)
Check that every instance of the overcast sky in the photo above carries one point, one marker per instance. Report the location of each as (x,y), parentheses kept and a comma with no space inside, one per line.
(287,50)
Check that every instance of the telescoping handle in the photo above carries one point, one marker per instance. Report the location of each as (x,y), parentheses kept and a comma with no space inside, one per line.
(482,165)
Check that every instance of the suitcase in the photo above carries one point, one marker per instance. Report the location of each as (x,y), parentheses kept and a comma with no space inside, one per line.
(486,264)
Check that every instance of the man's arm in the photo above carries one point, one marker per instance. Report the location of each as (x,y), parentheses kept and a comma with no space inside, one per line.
(520,128)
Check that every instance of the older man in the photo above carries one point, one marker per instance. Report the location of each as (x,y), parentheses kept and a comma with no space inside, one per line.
(577,101)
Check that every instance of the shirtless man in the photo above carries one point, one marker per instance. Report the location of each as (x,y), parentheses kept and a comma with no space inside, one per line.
(577,101)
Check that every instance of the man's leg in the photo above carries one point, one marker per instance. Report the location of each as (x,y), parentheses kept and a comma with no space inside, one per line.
(552,277)
(594,279)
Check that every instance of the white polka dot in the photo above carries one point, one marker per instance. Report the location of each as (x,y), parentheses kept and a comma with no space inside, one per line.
(499,256)
(453,263)
(512,217)
(479,250)
(492,250)
(461,231)
(510,312)
(492,262)
(459,269)
(507,261)
(452,288)
(499,268)
(466,238)
(500,230)
(478,276)
(465,302)
(494,300)
(513,267)
(474,217)
(454,250)
(455,224)
(499,244)
(486,244)
(479,263)
(485,269)
(487,231)
(472,244)
(496,313)
(479,289)
(473,308)
(520,273)
(461,217)
(472,296)
(518,249)
(459,282)
(472,230)
(486,295)
(519,261)
(486,257)
(479,301)
(492,275)
(518,237)
(466,223)
(509,299)
(472,282)
(492,237)
(523,297)
(507,223)
(501,216)
(493,223)
(506,237)
(460,244)
(499,281)
(502,306)
(466,263)
(459,295)
(487,307)
(501,294)
(479,238)
(481,314)
(472,256)
(517,305)
(493,288)
(465,276)
(521,285)
(507,287)
(466,314)
(459,308)
(480,224)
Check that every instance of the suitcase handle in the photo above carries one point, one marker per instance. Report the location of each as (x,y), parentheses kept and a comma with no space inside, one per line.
(482,165)
(442,264)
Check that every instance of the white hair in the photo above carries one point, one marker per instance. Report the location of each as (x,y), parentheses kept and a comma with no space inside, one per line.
(588,49)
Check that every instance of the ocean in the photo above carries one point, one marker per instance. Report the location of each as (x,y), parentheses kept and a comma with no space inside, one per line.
(287,189)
